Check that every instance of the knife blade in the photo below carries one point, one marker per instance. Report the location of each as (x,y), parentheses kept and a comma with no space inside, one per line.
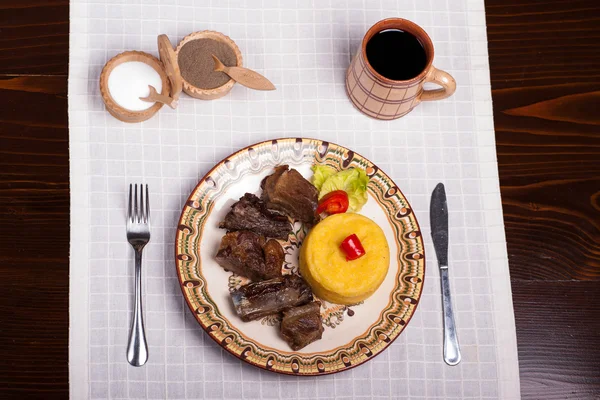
(438,212)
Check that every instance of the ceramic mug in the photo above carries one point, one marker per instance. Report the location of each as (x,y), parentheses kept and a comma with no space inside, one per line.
(383,98)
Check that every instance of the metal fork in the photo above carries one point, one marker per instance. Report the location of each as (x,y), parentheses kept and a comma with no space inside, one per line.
(138,235)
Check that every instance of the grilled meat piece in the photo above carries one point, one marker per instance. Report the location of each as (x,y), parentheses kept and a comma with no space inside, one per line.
(256,300)
(251,214)
(246,253)
(288,192)
(302,325)
(274,255)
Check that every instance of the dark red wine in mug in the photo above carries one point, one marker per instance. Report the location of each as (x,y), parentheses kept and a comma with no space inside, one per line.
(396,54)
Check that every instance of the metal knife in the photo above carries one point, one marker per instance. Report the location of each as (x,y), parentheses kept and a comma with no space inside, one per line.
(438,213)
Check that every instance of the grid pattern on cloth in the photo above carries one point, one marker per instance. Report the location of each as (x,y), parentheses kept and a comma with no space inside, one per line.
(304,48)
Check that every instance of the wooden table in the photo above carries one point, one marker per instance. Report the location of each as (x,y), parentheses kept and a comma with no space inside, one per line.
(545,71)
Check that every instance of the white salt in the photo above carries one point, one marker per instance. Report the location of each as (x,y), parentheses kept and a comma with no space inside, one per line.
(129,81)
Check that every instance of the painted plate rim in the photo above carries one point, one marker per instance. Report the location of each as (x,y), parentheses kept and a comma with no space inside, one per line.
(208,330)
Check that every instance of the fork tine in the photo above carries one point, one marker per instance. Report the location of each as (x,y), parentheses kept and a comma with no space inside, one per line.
(141,216)
(136,215)
(147,205)
(129,216)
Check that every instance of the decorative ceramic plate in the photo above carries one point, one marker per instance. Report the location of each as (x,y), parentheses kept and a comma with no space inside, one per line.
(353,334)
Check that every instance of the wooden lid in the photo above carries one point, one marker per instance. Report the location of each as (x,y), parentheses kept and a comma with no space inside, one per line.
(169,60)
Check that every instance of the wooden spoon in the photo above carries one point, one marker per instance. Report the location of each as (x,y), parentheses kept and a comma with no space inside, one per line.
(154,97)
(244,76)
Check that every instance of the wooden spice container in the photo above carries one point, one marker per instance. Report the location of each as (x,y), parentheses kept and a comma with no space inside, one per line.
(209,94)
(166,67)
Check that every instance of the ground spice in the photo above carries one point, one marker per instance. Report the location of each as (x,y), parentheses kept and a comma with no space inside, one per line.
(197,65)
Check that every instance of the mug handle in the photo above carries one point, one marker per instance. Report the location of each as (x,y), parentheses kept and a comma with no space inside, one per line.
(442,78)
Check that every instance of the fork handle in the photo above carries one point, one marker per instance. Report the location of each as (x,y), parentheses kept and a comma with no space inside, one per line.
(137,349)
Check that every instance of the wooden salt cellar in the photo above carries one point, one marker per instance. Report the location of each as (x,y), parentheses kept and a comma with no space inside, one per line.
(170,74)
(167,68)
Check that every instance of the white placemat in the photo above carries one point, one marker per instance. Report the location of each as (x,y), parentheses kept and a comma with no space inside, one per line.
(304,47)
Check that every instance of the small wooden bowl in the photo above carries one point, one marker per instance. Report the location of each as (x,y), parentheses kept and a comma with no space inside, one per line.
(112,106)
(209,94)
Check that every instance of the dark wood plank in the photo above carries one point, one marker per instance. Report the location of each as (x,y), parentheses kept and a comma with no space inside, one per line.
(543,42)
(34,237)
(34,37)
(548,139)
(545,72)
(558,334)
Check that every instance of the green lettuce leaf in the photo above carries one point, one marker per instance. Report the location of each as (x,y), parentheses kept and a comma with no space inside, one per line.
(320,175)
(353,181)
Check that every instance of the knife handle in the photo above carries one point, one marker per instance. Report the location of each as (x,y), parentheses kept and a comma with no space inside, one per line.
(451,350)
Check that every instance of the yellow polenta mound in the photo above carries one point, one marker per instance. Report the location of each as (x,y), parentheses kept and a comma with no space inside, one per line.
(323,264)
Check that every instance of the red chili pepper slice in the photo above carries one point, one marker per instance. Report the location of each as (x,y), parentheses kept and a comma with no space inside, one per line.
(334,202)
(352,247)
